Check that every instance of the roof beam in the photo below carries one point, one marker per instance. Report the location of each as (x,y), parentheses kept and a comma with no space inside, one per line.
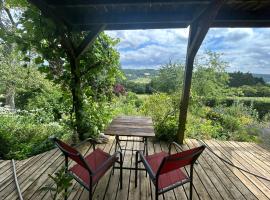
(83,3)
(50,12)
(225,16)
(100,3)
(133,26)
(88,40)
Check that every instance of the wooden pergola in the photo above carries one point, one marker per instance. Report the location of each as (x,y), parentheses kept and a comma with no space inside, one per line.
(95,16)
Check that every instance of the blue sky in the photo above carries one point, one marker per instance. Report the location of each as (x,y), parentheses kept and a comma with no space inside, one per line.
(245,49)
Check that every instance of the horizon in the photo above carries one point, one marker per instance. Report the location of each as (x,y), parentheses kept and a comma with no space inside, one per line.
(245,49)
(159,68)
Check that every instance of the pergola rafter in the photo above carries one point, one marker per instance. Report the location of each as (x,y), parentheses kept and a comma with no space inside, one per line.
(97,15)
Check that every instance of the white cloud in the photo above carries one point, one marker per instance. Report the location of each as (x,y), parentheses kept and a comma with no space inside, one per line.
(245,49)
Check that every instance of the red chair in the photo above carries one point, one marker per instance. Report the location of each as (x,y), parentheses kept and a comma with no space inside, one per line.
(87,171)
(165,171)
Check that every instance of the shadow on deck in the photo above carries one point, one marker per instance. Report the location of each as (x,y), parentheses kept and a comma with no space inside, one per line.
(213,179)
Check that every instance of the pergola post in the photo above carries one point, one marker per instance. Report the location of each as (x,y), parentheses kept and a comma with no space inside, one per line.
(73,54)
(197,32)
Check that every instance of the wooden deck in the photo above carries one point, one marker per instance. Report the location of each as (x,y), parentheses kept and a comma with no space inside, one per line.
(213,179)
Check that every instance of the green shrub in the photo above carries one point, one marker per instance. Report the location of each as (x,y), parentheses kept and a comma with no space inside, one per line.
(260,104)
(96,116)
(163,110)
(21,136)
(201,128)
(235,122)
(128,104)
(167,129)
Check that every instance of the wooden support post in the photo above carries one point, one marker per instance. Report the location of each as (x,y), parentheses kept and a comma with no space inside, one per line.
(76,90)
(73,54)
(197,32)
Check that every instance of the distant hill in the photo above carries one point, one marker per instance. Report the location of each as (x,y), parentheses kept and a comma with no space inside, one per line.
(266,77)
(133,74)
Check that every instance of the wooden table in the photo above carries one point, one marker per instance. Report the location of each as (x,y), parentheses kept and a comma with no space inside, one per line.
(134,126)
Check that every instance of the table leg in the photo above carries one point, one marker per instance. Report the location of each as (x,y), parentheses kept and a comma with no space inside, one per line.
(117,143)
(146,146)
(115,149)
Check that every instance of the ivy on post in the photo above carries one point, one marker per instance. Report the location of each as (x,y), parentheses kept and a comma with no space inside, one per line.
(197,32)
(73,54)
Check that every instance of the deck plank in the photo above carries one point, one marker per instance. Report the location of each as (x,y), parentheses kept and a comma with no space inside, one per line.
(258,189)
(232,183)
(123,194)
(213,179)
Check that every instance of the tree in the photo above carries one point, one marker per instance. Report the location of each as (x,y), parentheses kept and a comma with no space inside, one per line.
(49,45)
(169,79)
(210,79)
(238,79)
(10,76)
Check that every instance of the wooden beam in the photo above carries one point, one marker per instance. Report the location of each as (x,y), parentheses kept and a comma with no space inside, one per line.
(84,3)
(102,3)
(50,12)
(88,40)
(197,32)
(114,17)
(83,27)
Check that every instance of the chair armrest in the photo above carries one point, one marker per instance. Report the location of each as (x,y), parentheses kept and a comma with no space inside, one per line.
(146,165)
(108,161)
(175,145)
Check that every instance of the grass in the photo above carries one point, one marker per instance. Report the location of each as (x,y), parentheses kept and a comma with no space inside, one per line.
(261,99)
(144,80)
(143,96)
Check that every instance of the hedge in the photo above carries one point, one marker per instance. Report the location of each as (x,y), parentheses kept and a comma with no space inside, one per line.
(261,104)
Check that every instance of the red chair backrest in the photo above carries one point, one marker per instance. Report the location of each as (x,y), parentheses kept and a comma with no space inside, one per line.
(71,152)
(181,159)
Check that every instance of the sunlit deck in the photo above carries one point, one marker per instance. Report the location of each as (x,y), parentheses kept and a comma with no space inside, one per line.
(213,179)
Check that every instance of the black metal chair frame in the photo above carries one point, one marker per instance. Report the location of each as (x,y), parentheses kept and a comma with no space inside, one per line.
(155,177)
(91,172)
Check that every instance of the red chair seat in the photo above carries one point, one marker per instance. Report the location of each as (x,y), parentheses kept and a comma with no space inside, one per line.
(166,179)
(94,160)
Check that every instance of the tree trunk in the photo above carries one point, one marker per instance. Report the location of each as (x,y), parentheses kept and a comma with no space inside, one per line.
(77,96)
(10,97)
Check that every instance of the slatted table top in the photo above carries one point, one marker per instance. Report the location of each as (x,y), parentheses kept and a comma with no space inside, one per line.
(137,126)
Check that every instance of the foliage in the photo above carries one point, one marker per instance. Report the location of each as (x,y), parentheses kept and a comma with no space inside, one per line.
(61,185)
(238,79)
(128,104)
(163,110)
(260,104)
(256,90)
(138,87)
(13,77)
(236,122)
(97,116)
(210,78)
(169,78)
(41,43)
(22,135)
(135,74)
